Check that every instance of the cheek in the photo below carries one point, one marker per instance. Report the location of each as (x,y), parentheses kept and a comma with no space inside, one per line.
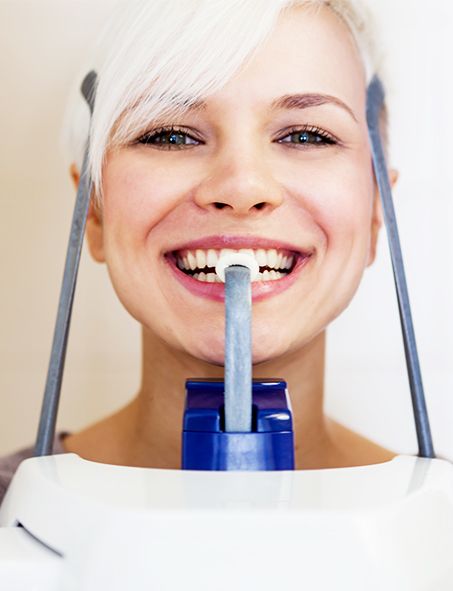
(338,194)
(331,197)
(137,196)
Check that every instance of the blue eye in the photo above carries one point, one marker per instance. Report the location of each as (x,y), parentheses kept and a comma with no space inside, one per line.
(167,138)
(309,136)
(171,137)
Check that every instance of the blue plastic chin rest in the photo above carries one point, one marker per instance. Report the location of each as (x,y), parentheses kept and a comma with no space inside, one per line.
(207,446)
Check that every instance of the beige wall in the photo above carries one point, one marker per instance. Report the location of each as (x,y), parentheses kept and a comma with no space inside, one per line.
(42,45)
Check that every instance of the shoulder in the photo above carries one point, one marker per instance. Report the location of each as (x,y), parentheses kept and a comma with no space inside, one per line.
(351,449)
(10,463)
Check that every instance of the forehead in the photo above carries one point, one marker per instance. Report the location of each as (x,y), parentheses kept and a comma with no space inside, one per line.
(309,51)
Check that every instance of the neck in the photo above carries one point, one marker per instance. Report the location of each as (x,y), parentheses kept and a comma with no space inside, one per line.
(147,432)
(158,408)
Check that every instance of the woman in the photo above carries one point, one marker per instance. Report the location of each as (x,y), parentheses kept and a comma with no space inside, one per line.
(231,125)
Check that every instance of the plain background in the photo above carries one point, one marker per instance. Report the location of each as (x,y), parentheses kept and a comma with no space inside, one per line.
(42,45)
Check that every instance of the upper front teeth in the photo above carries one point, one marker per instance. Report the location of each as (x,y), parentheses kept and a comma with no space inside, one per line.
(199,259)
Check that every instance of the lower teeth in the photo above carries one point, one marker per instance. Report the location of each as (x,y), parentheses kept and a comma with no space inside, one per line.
(207,277)
(213,277)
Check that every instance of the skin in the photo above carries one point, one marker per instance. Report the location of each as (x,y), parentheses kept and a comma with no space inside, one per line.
(318,198)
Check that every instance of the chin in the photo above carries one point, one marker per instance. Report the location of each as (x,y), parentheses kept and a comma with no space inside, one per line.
(213,352)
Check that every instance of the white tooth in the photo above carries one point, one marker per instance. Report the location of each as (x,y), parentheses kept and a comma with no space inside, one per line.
(272,275)
(261,257)
(248,251)
(210,277)
(217,279)
(260,276)
(186,262)
(180,263)
(202,276)
(211,259)
(289,262)
(226,251)
(200,255)
(278,275)
(278,264)
(283,263)
(271,257)
(195,275)
(266,275)
(192,260)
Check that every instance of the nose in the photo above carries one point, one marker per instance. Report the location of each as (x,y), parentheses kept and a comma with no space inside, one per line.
(240,185)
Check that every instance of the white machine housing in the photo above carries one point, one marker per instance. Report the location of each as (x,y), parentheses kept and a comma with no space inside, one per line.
(92,527)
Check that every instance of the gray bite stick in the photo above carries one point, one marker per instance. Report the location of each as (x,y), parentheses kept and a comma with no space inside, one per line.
(238,350)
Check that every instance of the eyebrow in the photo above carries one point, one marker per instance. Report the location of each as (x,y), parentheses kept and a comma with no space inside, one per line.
(292,101)
(308,100)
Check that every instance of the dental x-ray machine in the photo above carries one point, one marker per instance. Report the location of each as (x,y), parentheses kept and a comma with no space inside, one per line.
(237,516)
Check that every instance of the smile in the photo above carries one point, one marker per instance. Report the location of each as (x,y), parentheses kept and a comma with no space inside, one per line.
(193,265)
(200,264)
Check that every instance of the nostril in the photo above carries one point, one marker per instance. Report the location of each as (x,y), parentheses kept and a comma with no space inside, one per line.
(221,205)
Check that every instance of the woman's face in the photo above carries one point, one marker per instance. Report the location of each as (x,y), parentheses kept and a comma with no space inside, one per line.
(287,177)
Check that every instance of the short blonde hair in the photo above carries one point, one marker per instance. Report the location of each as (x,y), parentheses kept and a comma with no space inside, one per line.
(159,56)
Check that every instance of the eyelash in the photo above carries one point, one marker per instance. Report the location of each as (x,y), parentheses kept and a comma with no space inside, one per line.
(327,138)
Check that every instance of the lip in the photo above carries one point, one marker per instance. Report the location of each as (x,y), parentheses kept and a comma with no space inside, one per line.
(237,242)
(260,289)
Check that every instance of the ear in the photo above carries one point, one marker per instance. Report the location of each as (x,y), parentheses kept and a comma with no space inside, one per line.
(75,175)
(94,231)
(378,217)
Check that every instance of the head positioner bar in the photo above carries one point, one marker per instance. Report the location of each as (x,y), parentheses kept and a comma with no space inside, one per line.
(49,410)
(375,102)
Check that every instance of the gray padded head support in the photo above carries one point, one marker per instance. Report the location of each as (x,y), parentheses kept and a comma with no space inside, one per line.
(88,89)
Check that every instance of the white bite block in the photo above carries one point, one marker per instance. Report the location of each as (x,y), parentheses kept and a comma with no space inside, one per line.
(239,259)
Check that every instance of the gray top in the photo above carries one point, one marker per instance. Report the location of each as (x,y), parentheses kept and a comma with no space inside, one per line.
(10,463)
